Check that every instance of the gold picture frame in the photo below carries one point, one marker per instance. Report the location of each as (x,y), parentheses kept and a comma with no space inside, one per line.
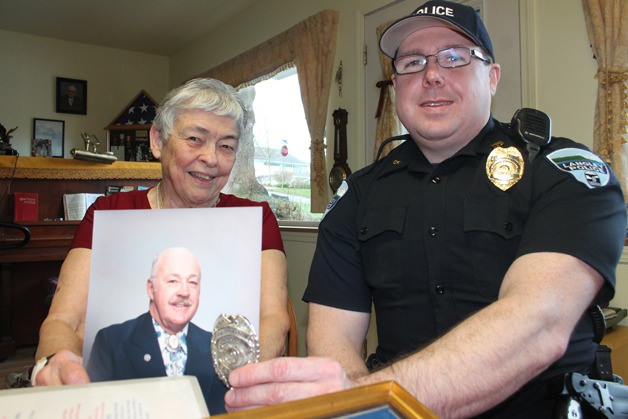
(387,398)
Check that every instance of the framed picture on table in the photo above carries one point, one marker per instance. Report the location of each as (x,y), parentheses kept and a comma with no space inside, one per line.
(50,129)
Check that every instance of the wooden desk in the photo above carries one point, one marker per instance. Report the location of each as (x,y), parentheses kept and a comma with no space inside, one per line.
(617,339)
(25,272)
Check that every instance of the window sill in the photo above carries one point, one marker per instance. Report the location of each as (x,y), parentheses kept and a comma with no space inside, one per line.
(298,227)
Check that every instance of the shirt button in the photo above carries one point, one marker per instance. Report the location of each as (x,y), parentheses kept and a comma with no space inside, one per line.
(364,230)
(508,226)
(433,231)
(440,290)
(435,179)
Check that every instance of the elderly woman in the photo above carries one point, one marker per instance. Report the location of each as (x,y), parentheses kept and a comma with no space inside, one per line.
(195,135)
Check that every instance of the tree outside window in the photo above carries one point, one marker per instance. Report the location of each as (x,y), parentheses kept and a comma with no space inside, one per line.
(273,161)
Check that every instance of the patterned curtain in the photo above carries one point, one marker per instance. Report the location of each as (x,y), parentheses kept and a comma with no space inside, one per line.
(388,124)
(315,49)
(607,27)
(311,46)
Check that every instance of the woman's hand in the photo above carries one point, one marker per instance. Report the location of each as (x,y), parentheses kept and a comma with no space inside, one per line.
(64,367)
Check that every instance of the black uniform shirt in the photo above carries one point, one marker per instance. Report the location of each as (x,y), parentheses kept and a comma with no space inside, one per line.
(429,245)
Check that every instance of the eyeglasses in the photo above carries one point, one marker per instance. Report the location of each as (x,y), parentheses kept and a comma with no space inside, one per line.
(447,58)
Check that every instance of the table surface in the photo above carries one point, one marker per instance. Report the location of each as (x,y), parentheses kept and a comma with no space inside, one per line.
(617,339)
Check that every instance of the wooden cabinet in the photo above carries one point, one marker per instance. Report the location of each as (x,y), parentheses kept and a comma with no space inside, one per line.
(27,276)
(617,339)
(26,273)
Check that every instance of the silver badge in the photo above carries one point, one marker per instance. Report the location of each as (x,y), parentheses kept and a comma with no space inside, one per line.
(234,343)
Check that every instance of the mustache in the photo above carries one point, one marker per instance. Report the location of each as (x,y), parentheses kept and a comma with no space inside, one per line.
(182,301)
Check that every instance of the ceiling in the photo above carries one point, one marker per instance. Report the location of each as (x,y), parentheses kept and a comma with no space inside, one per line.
(160,27)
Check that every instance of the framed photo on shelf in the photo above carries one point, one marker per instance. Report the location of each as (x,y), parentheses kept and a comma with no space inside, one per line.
(49,129)
(41,147)
(71,96)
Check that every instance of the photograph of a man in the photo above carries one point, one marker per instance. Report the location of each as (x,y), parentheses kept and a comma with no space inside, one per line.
(163,341)
(71,96)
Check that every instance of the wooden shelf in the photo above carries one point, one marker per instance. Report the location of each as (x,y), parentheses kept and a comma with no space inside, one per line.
(18,167)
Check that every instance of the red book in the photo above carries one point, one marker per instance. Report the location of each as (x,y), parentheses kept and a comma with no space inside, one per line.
(26,206)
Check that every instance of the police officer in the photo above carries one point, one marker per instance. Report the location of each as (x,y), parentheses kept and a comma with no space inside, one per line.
(481,249)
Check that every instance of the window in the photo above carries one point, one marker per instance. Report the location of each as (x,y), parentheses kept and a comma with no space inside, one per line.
(310,46)
(273,162)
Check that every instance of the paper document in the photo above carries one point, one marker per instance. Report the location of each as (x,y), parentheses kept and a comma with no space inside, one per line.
(75,205)
(164,397)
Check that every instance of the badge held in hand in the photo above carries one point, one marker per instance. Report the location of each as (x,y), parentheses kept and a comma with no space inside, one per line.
(234,343)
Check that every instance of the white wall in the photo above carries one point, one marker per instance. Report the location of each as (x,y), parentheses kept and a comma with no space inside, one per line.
(565,69)
(31,64)
(299,251)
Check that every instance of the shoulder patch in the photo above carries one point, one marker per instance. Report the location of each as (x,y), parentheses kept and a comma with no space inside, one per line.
(344,187)
(586,167)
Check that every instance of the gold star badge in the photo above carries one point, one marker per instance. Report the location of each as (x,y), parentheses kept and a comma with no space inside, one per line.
(504,167)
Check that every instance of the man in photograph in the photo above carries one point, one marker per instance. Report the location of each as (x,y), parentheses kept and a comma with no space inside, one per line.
(71,101)
(163,341)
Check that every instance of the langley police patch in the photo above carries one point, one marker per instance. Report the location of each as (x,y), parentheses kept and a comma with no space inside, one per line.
(584,166)
(344,187)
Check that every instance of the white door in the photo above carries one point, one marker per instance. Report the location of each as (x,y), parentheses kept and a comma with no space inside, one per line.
(372,69)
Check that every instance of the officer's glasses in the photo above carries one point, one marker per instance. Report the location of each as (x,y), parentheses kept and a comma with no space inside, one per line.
(447,58)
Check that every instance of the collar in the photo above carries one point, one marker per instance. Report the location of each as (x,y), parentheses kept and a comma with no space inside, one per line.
(409,156)
(487,139)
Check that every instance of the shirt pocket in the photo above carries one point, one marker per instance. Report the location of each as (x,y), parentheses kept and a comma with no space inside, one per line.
(381,245)
(493,230)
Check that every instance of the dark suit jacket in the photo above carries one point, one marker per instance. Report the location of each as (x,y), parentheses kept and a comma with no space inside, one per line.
(130,350)
(77,103)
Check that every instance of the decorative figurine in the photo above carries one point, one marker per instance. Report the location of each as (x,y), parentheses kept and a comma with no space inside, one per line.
(91,141)
(5,140)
